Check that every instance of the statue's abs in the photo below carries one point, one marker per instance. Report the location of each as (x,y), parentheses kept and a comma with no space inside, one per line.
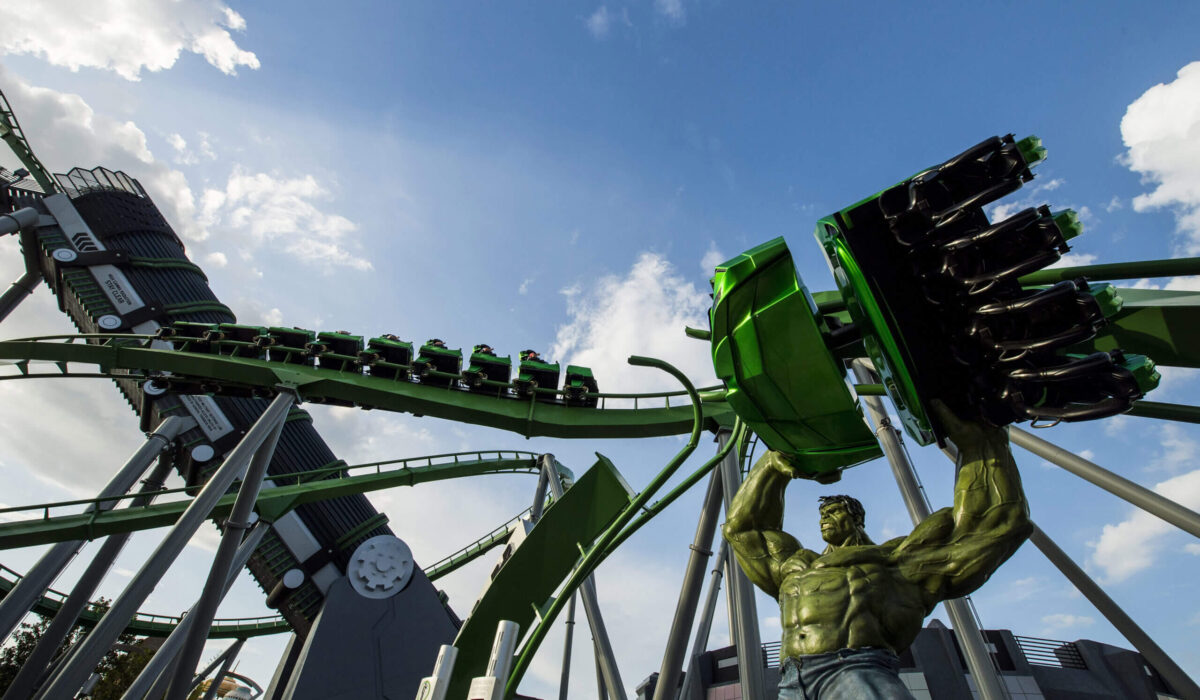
(831,605)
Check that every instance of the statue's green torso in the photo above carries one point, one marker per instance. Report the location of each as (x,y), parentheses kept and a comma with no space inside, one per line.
(851,597)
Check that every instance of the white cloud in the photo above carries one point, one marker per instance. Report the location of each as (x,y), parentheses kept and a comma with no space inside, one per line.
(1161,130)
(524,286)
(1134,543)
(1192,548)
(1049,185)
(191,156)
(1075,259)
(1114,204)
(1184,284)
(274,317)
(65,131)
(216,259)
(671,9)
(599,23)
(1179,451)
(124,37)
(177,142)
(712,257)
(1062,621)
(261,209)
(641,313)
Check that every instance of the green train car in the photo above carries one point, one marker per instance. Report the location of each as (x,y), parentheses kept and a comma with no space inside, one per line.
(773,350)
(933,286)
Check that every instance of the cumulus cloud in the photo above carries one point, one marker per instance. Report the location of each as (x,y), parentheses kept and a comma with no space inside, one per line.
(125,37)
(1161,131)
(262,209)
(65,132)
(643,312)
(1134,544)
(712,257)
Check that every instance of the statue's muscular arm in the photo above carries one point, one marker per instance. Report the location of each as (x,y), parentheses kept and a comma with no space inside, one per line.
(754,526)
(955,550)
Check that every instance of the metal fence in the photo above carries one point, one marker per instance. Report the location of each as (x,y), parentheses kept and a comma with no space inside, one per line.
(770,654)
(1050,652)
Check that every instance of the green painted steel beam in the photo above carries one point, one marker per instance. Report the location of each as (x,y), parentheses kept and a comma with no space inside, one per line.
(150,625)
(527,580)
(473,551)
(1117,271)
(528,417)
(10,132)
(1161,324)
(272,503)
(1166,411)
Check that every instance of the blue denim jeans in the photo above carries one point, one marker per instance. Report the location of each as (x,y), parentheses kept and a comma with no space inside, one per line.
(846,674)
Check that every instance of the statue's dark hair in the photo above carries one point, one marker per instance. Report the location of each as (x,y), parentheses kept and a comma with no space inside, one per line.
(856,509)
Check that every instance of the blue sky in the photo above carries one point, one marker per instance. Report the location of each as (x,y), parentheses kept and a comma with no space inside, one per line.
(563,176)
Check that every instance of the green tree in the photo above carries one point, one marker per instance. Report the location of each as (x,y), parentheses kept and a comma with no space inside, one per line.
(117,670)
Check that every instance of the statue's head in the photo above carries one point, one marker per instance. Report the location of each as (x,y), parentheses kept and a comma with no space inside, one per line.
(842,520)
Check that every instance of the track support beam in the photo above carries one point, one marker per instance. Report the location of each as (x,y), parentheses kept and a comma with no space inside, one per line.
(161,664)
(705,626)
(591,606)
(36,666)
(966,628)
(743,612)
(689,594)
(21,599)
(95,645)
(239,520)
(1149,501)
(1180,682)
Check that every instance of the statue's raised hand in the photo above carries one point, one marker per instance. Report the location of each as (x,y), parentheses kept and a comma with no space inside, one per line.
(791,467)
(965,432)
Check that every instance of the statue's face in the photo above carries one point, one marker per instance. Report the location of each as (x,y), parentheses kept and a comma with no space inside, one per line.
(837,524)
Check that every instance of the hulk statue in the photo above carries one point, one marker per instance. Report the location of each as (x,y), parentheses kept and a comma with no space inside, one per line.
(848,611)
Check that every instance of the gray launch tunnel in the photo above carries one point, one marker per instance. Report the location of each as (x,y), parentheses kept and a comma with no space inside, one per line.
(129,234)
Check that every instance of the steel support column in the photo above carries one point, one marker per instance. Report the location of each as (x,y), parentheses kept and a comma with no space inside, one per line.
(706,618)
(161,663)
(36,666)
(689,594)
(591,606)
(1149,501)
(601,686)
(1180,682)
(236,524)
(970,638)
(565,681)
(19,220)
(16,294)
(96,644)
(743,622)
(33,585)
(226,660)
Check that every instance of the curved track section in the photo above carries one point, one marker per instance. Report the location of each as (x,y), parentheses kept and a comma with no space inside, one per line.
(134,359)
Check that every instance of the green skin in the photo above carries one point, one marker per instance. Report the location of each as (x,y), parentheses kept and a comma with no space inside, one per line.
(859,594)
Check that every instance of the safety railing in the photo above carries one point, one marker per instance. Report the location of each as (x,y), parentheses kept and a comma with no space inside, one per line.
(42,511)
(1050,652)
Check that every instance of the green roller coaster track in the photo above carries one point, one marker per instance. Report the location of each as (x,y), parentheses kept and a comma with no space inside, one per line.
(161,625)
(123,355)
(1163,324)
